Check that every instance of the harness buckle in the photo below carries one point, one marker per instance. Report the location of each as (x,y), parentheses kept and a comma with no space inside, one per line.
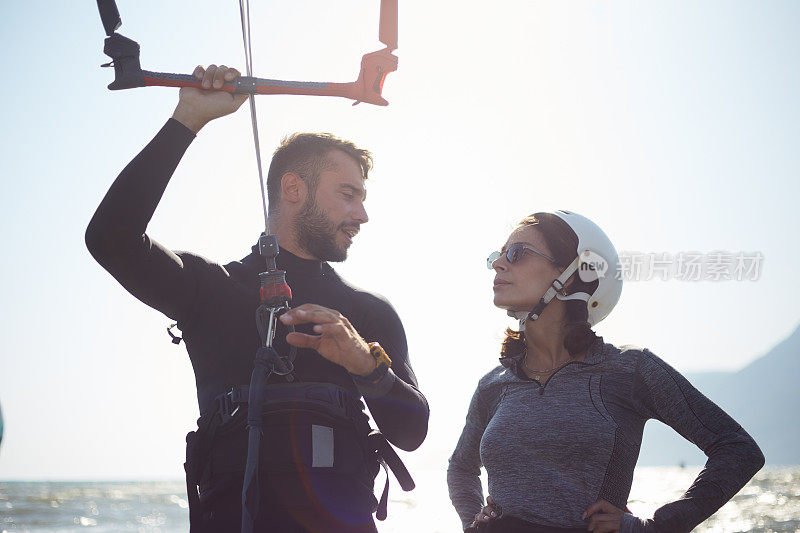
(227,404)
(175,338)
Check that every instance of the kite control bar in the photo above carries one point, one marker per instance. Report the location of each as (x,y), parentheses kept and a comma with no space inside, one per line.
(375,66)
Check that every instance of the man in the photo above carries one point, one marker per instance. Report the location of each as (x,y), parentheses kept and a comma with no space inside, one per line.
(316,470)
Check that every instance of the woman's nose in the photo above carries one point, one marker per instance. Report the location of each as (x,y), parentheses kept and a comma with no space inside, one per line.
(499,264)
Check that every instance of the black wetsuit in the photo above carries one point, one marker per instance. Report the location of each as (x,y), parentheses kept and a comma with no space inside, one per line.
(214,306)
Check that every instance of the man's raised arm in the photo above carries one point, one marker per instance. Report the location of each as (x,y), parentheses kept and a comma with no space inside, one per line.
(116,234)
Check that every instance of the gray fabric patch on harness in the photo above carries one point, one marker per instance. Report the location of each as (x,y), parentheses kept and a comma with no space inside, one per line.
(321,446)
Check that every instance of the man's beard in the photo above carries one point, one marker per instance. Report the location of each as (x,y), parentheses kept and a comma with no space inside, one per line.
(316,234)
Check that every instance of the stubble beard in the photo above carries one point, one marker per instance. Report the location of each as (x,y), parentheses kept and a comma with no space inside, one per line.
(316,234)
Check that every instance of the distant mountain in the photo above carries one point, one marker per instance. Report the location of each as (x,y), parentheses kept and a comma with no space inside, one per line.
(763,397)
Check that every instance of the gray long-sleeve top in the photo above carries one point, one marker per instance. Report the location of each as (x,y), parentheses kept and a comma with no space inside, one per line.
(552,450)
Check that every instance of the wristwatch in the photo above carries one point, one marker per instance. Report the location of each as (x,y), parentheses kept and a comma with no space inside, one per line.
(382,363)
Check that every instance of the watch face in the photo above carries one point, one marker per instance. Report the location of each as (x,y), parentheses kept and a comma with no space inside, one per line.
(379,354)
(382,362)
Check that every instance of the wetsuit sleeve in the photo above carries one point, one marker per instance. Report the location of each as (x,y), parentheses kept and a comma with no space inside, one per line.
(662,393)
(464,469)
(398,407)
(116,235)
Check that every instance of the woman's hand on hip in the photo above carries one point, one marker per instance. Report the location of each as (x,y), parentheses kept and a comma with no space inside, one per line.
(603,517)
(489,512)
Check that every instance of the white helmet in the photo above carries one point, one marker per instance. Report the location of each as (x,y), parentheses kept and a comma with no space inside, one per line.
(596,259)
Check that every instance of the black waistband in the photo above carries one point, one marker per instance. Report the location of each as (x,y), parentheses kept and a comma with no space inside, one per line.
(512,524)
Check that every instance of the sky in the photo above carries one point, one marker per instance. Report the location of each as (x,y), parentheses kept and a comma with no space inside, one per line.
(673,125)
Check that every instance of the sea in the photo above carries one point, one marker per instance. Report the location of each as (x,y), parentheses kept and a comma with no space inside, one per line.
(769,503)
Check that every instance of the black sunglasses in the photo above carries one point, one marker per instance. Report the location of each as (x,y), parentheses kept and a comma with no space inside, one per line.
(513,254)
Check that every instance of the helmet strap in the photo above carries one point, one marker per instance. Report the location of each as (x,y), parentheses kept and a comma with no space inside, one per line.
(556,287)
(583,296)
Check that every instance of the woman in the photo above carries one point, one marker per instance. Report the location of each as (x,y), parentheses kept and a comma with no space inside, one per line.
(559,424)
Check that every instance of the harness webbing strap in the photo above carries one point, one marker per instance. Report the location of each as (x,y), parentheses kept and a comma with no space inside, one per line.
(198,446)
(263,363)
(191,484)
(383,504)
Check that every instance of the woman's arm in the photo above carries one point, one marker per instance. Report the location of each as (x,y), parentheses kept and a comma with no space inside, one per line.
(464,470)
(662,393)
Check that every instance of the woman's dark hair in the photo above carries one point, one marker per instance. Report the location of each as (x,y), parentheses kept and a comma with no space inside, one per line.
(563,245)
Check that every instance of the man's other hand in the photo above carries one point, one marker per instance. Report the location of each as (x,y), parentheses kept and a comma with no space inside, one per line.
(197,107)
(336,340)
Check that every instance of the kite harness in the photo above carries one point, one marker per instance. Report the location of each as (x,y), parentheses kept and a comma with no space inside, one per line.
(275,295)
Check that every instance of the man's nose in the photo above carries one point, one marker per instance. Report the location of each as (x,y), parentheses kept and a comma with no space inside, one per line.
(361,214)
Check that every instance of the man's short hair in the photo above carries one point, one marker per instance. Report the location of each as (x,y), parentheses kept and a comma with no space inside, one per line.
(305,154)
